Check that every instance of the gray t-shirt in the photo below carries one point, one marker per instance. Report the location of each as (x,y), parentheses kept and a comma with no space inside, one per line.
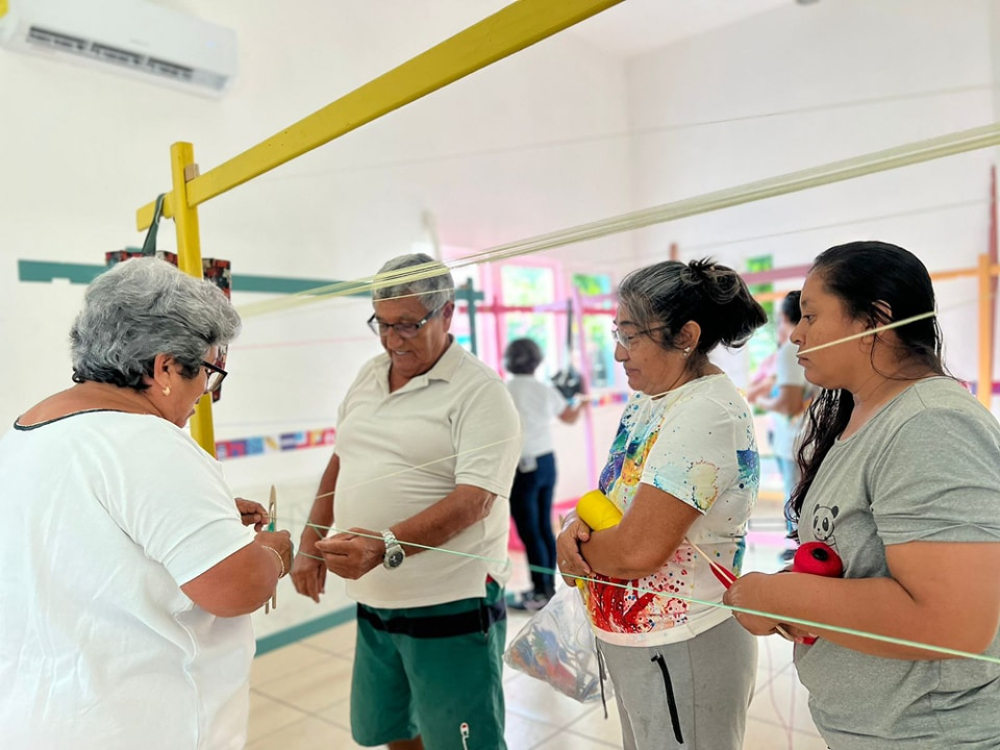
(925,468)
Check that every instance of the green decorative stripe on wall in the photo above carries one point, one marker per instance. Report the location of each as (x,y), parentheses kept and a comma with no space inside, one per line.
(304,630)
(84,273)
(41,270)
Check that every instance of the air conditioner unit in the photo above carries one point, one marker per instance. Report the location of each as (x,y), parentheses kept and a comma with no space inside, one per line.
(135,37)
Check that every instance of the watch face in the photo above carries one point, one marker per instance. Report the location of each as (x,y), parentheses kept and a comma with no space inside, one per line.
(394,558)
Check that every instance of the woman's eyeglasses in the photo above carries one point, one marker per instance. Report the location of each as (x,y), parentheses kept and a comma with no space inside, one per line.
(215,372)
(625,340)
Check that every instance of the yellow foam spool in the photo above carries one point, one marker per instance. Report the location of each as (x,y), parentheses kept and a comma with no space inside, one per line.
(599,513)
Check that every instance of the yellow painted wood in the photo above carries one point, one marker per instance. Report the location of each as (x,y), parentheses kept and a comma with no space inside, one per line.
(515,27)
(189,261)
(984,389)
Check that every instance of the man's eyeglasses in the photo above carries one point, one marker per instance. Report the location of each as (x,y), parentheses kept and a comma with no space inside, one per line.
(625,340)
(403,330)
(215,372)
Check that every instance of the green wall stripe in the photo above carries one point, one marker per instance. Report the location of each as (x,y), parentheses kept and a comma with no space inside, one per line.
(304,630)
(40,270)
(84,273)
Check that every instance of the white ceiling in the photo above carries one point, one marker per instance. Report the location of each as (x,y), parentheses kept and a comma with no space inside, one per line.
(635,27)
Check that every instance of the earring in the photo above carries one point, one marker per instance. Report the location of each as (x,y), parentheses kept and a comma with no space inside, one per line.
(166,391)
(687,350)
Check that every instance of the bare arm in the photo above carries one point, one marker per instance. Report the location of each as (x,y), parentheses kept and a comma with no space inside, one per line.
(321,513)
(789,401)
(308,571)
(571,413)
(648,535)
(942,594)
(242,582)
(760,388)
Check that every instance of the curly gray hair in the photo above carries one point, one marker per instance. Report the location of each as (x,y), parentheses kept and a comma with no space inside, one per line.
(434,291)
(141,308)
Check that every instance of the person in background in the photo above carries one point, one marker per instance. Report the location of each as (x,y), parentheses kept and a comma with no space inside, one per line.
(684,471)
(901,478)
(535,480)
(787,402)
(127,593)
(427,444)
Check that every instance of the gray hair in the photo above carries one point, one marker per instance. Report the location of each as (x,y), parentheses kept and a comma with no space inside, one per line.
(434,291)
(141,308)
(671,293)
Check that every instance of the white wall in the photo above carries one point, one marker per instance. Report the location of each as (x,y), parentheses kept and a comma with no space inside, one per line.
(800,86)
(529,145)
(506,153)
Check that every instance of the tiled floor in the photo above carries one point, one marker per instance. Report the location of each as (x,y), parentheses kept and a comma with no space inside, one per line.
(300,693)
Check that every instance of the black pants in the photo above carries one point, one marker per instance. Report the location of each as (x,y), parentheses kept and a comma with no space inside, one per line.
(531,507)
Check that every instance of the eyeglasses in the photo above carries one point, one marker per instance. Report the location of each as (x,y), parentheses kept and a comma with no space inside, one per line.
(215,372)
(403,330)
(625,340)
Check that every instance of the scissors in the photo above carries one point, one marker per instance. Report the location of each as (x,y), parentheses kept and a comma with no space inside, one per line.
(272,512)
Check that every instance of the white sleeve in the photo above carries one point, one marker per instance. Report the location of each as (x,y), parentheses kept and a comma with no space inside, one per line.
(789,371)
(170,498)
(487,438)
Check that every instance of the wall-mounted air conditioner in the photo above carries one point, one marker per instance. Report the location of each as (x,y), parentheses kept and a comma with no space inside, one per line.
(135,37)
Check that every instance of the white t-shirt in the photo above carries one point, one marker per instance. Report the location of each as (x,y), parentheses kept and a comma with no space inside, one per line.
(404,451)
(788,373)
(107,514)
(537,404)
(696,443)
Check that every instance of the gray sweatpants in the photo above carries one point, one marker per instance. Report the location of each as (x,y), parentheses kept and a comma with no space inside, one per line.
(691,695)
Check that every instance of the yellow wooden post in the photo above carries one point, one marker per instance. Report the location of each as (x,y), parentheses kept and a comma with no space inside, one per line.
(183,169)
(984,388)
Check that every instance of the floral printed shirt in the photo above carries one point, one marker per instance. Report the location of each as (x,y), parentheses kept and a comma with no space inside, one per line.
(696,443)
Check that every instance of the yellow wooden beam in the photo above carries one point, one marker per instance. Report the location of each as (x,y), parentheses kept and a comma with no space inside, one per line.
(984,386)
(182,169)
(515,27)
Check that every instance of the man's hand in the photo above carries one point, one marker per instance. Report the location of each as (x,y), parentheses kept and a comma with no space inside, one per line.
(252,514)
(308,573)
(568,551)
(349,555)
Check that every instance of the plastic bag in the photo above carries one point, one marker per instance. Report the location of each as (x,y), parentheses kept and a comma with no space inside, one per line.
(558,647)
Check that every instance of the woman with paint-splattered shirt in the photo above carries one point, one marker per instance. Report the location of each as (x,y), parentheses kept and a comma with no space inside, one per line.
(684,472)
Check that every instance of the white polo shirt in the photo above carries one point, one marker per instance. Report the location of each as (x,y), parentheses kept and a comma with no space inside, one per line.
(402,452)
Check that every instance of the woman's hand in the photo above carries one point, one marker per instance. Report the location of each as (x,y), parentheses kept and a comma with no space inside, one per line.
(748,592)
(280,542)
(252,514)
(571,561)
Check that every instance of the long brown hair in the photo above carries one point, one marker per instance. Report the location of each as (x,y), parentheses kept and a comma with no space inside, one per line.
(877,283)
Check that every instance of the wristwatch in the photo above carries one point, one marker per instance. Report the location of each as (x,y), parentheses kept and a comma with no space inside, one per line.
(394,554)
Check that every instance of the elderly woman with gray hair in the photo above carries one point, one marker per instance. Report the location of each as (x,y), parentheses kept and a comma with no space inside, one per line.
(683,469)
(427,443)
(125,600)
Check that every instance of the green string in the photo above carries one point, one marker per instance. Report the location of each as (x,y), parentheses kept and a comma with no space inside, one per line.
(639,590)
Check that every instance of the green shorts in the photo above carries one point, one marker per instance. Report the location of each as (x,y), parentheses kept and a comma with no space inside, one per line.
(431,671)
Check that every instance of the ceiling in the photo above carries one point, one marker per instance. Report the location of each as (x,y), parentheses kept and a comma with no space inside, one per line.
(635,27)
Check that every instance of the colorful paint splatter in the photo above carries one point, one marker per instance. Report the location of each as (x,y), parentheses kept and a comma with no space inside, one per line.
(696,444)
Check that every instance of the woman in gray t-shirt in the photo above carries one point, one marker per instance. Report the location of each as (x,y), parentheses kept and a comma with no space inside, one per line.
(901,477)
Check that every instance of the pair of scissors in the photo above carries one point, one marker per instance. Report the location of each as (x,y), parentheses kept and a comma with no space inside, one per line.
(272,512)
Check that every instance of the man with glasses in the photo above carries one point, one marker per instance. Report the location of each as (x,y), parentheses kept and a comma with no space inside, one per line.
(427,443)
